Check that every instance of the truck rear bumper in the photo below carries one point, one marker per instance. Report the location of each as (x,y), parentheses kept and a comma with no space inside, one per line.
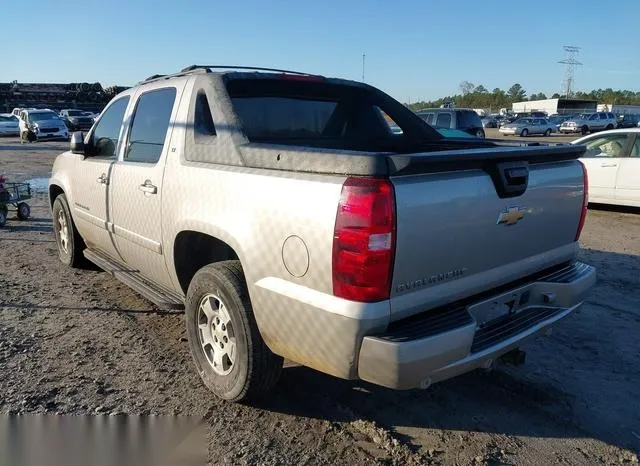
(446,342)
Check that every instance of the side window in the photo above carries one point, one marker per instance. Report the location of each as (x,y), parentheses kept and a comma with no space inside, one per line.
(389,123)
(611,116)
(603,116)
(202,119)
(443,120)
(107,131)
(593,117)
(635,150)
(427,117)
(606,146)
(150,124)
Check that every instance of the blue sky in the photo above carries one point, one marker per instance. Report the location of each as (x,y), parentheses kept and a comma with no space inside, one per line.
(414,50)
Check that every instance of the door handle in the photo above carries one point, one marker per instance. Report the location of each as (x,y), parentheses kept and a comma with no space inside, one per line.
(608,164)
(148,188)
(102,179)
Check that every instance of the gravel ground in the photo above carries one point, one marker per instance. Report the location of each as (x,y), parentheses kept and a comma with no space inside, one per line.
(79,342)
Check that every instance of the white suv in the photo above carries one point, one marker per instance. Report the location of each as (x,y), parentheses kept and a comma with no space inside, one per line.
(43,123)
(589,122)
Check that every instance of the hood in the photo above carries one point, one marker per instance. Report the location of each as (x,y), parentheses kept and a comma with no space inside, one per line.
(80,119)
(50,124)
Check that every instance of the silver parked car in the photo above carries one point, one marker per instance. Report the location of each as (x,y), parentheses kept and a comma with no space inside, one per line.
(9,125)
(526,126)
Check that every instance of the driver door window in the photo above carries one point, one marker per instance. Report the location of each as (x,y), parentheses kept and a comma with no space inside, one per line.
(607,146)
(107,132)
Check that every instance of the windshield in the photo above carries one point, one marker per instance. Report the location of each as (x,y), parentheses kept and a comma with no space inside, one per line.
(44,116)
(75,113)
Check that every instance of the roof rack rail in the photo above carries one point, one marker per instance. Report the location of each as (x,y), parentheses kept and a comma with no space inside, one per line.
(235,67)
(208,68)
(157,77)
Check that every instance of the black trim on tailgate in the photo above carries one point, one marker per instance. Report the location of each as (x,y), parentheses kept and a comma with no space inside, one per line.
(455,315)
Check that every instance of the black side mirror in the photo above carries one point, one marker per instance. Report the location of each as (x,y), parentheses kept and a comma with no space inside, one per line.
(77,143)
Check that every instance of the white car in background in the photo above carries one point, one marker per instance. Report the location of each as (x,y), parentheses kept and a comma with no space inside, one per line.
(9,125)
(612,161)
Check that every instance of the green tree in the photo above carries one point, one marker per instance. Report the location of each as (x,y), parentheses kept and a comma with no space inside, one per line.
(466,87)
(516,93)
(480,90)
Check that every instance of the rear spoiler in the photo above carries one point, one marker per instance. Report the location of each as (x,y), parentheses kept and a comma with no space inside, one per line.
(461,159)
(436,156)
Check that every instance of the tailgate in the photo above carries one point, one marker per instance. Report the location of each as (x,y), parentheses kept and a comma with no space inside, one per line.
(457,236)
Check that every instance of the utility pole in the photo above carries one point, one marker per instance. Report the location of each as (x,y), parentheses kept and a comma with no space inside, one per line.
(571,61)
(363,67)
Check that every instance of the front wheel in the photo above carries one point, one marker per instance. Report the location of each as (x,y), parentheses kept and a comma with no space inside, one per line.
(70,243)
(524,133)
(229,353)
(3,215)
(547,132)
(585,129)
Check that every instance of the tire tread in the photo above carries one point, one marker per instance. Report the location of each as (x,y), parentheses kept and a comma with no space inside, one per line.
(264,367)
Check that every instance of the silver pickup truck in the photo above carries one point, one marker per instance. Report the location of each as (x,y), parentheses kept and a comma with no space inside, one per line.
(285,216)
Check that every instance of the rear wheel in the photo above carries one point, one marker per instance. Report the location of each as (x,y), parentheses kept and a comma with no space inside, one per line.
(3,215)
(609,126)
(24,211)
(524,133)
(547,132)
(232,359)
(585,129)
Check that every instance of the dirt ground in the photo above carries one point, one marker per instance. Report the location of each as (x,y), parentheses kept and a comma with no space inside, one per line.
(79,342)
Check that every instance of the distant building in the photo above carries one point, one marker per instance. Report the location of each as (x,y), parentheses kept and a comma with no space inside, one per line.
(553,106)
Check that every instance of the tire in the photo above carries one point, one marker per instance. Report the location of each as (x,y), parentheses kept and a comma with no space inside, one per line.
(70,243)
(3,215)
(24,211)
(524,133)
(252,370)
(585,129)
(480,134)
(547,132)
(609,126)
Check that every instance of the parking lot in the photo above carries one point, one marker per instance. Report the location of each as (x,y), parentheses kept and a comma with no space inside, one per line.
(81,342)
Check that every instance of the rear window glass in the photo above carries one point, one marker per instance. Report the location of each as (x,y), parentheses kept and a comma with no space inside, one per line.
(317,114)
(284,117)
(469,120)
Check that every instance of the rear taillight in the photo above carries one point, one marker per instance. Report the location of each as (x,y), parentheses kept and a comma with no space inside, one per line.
(585,202)
(364,240)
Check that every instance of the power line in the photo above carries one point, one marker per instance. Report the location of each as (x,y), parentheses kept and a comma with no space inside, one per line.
(571,52)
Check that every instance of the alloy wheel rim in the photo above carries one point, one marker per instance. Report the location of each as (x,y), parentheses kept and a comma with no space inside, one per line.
(63,232)
(216,334)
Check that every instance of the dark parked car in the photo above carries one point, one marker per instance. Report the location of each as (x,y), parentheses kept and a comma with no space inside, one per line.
(628,121)
(463,119)
(76,120)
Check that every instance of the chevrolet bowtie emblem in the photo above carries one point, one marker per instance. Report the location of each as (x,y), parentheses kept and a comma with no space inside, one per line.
(511,216)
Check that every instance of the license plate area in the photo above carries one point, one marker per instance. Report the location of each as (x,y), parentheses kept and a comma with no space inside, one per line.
(510,303)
